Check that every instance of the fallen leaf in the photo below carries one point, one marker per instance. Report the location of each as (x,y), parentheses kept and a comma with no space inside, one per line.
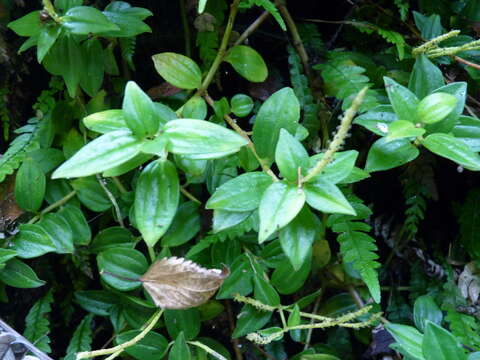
(177,283)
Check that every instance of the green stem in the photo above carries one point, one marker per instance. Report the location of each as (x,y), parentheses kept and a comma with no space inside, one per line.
(151,253)
(53,206)
(119,185)
(119,348)
(48,6)
(339,137)
(186,28)
(222,50)
(112,200)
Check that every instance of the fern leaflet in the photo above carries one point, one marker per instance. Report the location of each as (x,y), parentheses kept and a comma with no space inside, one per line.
(268,6)
(82,338)
(356,246)
(303,92)
(390,36)
(464,327)
(311,38)
(128,45)
(207,42)
(344,79)
(403,7)
(37,323)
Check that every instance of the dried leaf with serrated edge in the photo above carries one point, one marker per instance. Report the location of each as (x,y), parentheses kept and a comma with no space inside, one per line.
(177,283)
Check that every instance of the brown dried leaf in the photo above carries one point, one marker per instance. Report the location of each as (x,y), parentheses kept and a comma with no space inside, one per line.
(469,283)
(177,283)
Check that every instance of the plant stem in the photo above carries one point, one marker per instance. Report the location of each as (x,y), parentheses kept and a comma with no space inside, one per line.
(119,348)
(250,144)
(48,6)
(112,200)
(235,342)
(222,50)
(53,206)
(151,253)
(207,349)
(119,185)
(297,40)
(466,62)
(189,195)
(339,137)
(253,26)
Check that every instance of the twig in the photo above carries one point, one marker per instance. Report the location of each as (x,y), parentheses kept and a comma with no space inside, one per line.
(147,327)
(297,40)
(53,206)
(236,344)
(466,62)
(339,136)
(101,181)
(253,26)
(310,331)
(250,144)
(222,50)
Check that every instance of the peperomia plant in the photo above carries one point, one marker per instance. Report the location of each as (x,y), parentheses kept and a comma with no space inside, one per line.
(176,205)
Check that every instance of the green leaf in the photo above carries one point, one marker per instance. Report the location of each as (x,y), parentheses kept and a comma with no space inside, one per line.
(129,25)
(47,159)
(286,280)
(408,338)
(425,77)
(186,321)
(5,255)
(377,119)
(178,70)
(201,139)
(336,170)
(91,76)
(454,149)
(439,344)
(129,165)
(298,236)
(28,25)
(46,38)
(37,323)
(138,111)
(64,5)
(185,225)
(281,110)
(180,349)
(126,263)
(249,320)
(112,238)
(384,154)
(468,130)
(435,107)
(248,63)
(83,20)
(264,291)
(195,108)
(30,185)
(81,339)
(105,121)
(98,302)
(280,204)
(156,200)
(425,309)
(241,105)
(78,223)
(103,153)
(152,346)
(240,194)
(59,232)
(403,129)
(32,241)
(224,219)
(429,26)
(290,155)
(18,274)
(91,194)
(459,90)
(403,101)
(239,281)
(326,197)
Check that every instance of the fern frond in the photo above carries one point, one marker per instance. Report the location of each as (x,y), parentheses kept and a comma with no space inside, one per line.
(303,92)
(465,327)
(403,6)
(344,79)
(128,46)
(311,38)
(390,36)
(207,42)
(356,246)
(37,323)
(81,339)
(268,6)
(19,147)
(470,223)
